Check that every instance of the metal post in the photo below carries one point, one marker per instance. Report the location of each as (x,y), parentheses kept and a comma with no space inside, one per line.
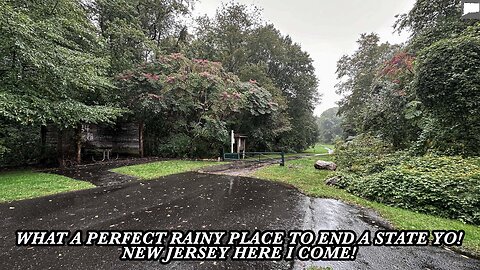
(232,141)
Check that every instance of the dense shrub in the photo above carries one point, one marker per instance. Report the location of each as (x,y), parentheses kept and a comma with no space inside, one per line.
(447,83)
(363,151)
(178,145)
(443,186)
(19,145)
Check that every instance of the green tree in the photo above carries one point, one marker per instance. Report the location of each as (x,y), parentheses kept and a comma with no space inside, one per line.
(225,37)
(330,126)
(432,20)
(137,30)
(51,65)
(435,25)
(237,37)
(357,74)
(423,94)
(187,104)
(378,99)
(447,83)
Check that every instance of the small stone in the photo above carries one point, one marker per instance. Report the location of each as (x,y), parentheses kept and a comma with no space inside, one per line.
(332,181)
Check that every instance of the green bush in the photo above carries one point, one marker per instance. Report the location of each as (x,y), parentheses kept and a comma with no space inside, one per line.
(19,145)
(357,155)
(443,186)
(176,146)
(183,146)
(447,76)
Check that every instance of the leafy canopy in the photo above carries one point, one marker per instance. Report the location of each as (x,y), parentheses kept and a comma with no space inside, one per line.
(193,99)
(51,68)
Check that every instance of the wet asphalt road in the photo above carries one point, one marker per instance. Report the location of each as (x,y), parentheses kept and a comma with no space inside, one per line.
(99,173)
(182,202)
(327,214)
(195,201)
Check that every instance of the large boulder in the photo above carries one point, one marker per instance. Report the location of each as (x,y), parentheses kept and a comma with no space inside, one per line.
(325,165)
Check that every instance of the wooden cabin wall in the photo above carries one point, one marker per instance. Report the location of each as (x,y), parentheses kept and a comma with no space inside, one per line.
(53,140)
(122,139)
(126,140)
(98,137)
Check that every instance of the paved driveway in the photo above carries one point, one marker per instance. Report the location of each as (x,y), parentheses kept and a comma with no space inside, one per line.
(195,201)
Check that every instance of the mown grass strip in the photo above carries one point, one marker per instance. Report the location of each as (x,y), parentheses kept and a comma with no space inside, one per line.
(21,185)
(319,149)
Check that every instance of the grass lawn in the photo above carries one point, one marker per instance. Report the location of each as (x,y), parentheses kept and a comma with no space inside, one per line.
(155,170)
(319,149)
(304,176)
(26,184)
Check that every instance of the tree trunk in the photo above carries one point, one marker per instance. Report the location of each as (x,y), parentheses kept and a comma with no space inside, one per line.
(43,141)
(78,144)
(60,150)
(141,127)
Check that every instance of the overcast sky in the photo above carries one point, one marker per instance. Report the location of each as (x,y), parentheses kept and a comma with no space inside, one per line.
(326,29)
